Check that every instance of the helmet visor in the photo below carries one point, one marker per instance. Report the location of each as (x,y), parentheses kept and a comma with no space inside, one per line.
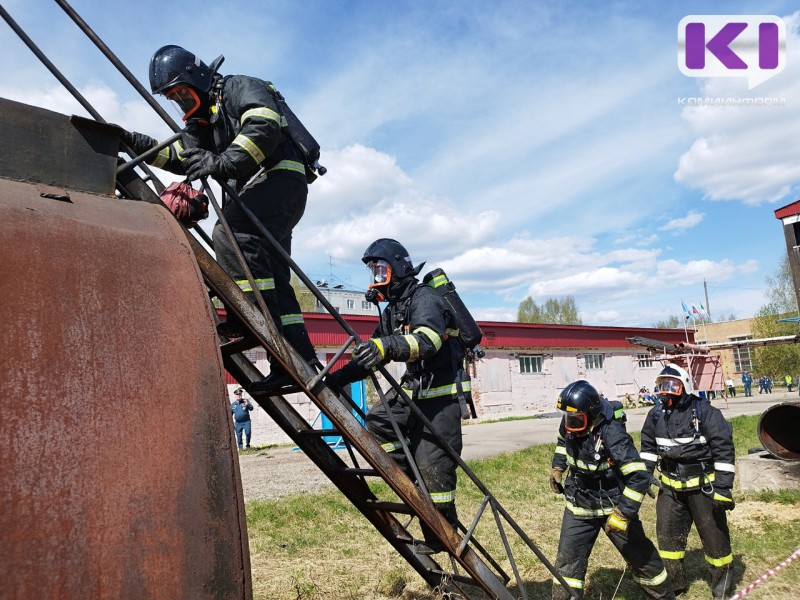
(670,386)
(185,99)
(575,422)
(380,273)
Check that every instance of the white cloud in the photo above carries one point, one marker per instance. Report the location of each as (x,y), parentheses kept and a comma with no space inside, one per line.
(672,273)
(132,115)
(365,196)
(682,224)
(358,177)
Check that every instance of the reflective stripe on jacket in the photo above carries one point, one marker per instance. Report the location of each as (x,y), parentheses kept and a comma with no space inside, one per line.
(605,469)
(690,456)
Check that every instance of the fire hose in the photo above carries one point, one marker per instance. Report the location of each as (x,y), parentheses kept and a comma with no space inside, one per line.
(769,573)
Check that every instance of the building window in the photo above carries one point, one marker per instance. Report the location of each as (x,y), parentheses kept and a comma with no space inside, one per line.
(593,361)
(530,364)
(742,357)
(365,305)
(645,361)
(351,304)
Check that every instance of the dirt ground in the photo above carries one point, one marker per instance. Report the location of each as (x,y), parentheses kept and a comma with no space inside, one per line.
(274,473)
(751,515)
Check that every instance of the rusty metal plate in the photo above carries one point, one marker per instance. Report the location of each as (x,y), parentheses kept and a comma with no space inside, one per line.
(118,473)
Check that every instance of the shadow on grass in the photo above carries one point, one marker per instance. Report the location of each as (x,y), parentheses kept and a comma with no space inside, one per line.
(537,590)
(696,569)
(604,581)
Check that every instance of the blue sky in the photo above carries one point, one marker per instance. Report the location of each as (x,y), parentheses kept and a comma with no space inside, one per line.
(526,148)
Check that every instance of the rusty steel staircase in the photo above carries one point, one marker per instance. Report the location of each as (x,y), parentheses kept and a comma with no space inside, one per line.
(469,564)
(466,565)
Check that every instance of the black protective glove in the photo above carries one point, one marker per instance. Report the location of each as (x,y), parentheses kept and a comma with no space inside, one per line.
(199,163)
(556,475)
(369,354)
(723,500)
(139,143)
(654,487)
(335,381)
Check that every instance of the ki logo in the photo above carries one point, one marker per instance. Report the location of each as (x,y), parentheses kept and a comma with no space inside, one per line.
(751,46)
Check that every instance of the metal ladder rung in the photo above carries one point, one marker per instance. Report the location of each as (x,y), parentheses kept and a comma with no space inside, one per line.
(319,376)
(239,345)
(358,471)
(457,578)
(320,432)
(393,507)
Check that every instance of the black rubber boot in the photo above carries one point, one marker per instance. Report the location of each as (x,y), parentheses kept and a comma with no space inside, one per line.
(297,336)
(428,547)
(278,382)
(232,328)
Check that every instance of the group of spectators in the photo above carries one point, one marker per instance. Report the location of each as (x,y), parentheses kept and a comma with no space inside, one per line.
(765,383)
(644,398)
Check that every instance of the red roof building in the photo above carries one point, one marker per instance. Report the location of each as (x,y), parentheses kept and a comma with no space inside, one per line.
(526,365)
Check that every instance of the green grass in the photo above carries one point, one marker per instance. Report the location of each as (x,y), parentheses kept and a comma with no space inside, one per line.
(319,546)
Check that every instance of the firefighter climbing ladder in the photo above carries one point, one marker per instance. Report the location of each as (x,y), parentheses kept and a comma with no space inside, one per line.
(468,564)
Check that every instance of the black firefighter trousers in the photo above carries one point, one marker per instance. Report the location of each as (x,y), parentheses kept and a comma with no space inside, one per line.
(577,540)
(278,201)
(437,469)
(675,512)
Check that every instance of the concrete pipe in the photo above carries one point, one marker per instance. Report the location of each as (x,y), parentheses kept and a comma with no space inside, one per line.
(778,430)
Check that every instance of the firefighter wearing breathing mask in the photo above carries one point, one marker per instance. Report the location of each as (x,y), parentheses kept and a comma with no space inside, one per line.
(690,442)
(413,329)
(234,130)
(604,487)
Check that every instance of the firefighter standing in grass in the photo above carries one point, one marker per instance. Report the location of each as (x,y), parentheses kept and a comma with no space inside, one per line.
(413,329)
(692,444)
(604,488)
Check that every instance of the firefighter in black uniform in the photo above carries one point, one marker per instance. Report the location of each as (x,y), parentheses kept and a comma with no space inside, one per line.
(692,444)
(413,329)
(604,488)
(234,130)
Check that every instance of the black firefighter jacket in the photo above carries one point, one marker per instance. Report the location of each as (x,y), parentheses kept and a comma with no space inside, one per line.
(245,128)
(604,469)
(414,330)
(693,445)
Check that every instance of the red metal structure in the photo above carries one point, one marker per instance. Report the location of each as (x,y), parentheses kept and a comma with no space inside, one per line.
(704,368)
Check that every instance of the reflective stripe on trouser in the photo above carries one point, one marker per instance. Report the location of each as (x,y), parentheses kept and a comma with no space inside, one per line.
(379,425)
(575,545)
(278,202)
(675,513)
(437,469)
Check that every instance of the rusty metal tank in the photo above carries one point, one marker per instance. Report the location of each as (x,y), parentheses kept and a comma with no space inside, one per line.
(118,473)
(779,430)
